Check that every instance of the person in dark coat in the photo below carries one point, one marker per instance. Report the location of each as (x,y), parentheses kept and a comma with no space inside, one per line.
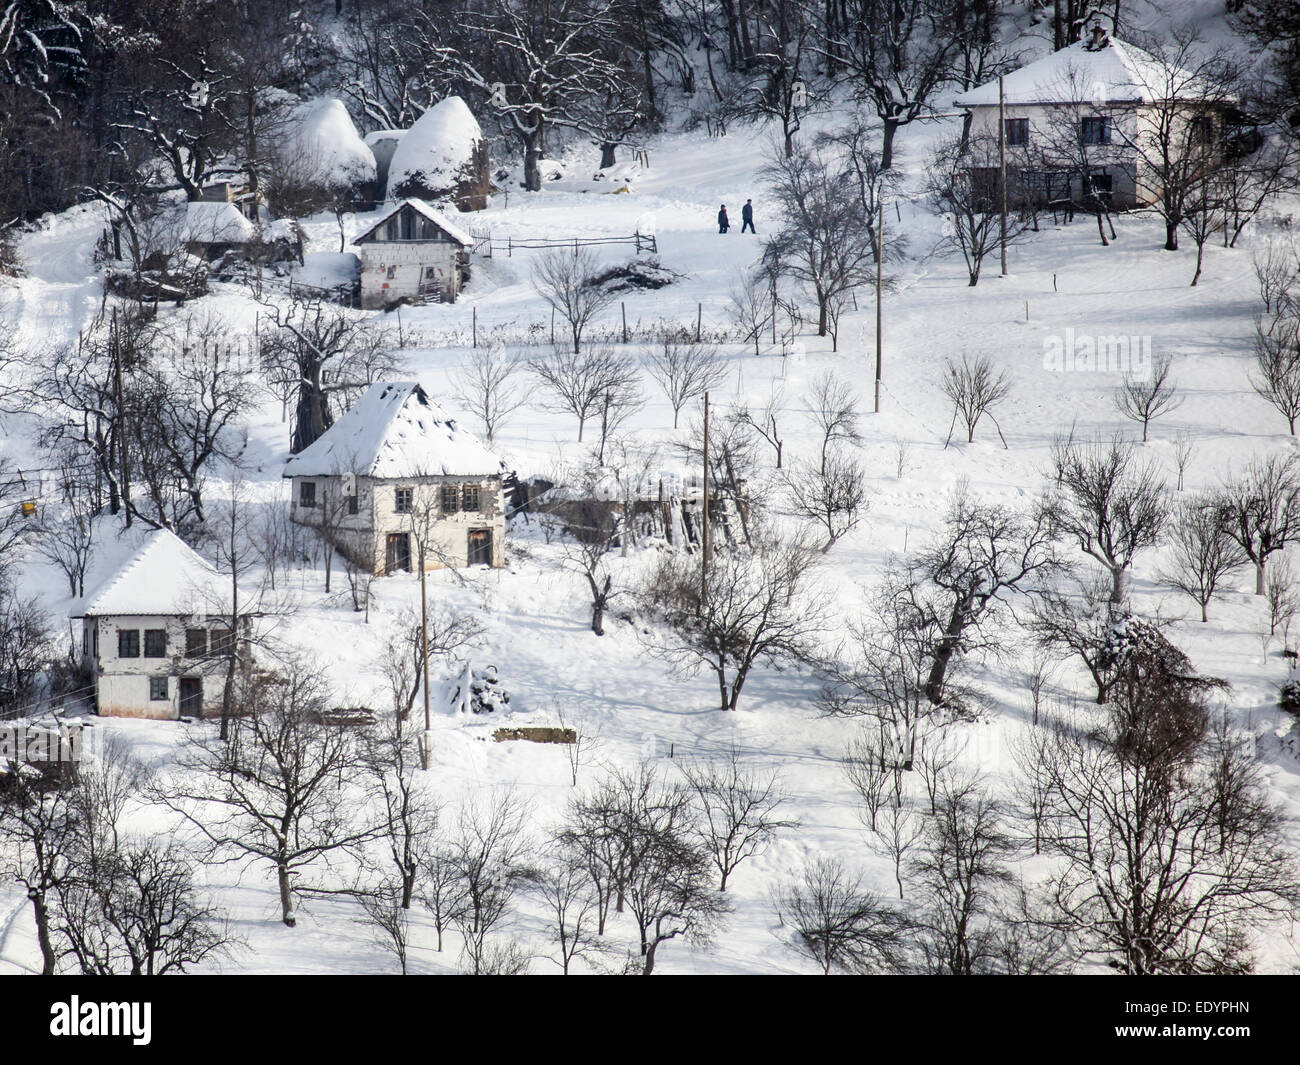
(723,224)
(747,217)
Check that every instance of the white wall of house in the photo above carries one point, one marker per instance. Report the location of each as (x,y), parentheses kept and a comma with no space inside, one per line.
(364,535)
(394,270)
(148,684)
(1133,182)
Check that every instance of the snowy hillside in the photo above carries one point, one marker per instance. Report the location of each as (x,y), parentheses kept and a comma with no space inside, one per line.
(631,701)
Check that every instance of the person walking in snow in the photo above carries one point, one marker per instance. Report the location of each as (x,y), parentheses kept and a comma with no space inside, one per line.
(747,217)
(723,224)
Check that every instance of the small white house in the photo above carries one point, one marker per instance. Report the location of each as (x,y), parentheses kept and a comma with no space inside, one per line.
(1099,99)
(152,633)
(396,471)
(412,253)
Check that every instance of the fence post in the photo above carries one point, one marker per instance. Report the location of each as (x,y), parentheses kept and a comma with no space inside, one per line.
(623,306)
(475,325)
(699,318)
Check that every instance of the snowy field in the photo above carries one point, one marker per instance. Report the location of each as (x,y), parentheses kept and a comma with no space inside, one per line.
(535,612)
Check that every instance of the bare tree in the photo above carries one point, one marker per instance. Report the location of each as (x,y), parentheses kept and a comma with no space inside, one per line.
(835,923)
(832,495)
(1077,623)
(1162,872)
(487,848)
(1260,509)
(1145,398)
(331,356)
(565,279)
(668,884)
(874,780)
(1204,554)
(488,387)
(824,241)
(752,306)
(958,586)
(740,810)
(684,368)
(1277,361)
(270,791)
(390,922)
(896,54)
(974,388)
(960,190)
(596,382)
(1183,450)
(571,909)
(442,891)
(1109,504)
(744,608)
(962,864)
(898,836)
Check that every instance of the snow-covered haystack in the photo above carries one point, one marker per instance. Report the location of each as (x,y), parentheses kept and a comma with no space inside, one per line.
(442,157)
(326,150)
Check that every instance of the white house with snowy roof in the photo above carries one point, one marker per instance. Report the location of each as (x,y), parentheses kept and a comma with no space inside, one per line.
(395,474)
(412,253)
(153,632)
(1085,121)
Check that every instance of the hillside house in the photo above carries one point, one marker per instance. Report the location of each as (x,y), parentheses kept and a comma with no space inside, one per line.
(412,253)
(1077,123)
(395,470)
(152,634)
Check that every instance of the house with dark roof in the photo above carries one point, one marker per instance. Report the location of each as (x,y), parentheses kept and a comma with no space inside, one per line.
(153,633)
(395,479)
(412,254)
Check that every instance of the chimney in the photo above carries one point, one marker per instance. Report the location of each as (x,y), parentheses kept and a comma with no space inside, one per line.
(1099,38)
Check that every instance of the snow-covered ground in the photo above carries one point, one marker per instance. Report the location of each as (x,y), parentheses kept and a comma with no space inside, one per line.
(535,613)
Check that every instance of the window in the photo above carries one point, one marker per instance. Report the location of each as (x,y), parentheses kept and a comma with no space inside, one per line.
(1095,130)
(196,643)
(222,644)
(155,643)
(307,494)
(450,499)
(128,643)
(157,689)
(1202,131)
(470,497)
(1101,184)
(1017,131)
(352,503)
(402,500)
(392,272)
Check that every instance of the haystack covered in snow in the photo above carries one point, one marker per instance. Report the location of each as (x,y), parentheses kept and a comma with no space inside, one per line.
(155,634)
(1102,99)
(324,150)
(443,157)
(397,472)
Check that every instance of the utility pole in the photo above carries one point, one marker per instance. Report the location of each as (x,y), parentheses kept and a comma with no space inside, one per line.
(880,277)
(121,417)
(704,528)
(426,755)
(1002,170)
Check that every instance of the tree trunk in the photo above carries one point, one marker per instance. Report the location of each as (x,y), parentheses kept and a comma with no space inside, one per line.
(607,155)
(1259,577)
(1117,584)
(533,148)
(1171,236)
(286,897)
(887,148)
(41,913)
(649,952)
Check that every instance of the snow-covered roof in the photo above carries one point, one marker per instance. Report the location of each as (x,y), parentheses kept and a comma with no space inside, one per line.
(383,136)
(1116,72)
(161,576)
(436,150)
(328,145)
(450,228)
(395,430)
(216,223)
